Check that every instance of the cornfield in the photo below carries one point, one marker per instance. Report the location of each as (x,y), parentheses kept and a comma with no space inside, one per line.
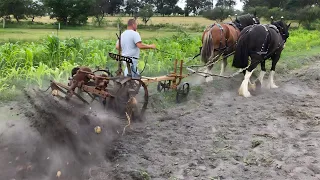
(52,58)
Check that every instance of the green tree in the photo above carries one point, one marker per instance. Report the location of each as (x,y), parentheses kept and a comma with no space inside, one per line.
(17,8)
(61,10)
(146,13)
(218,13)
(178,10)
(114,6)
(171,4)
(132,7)
(195,6)
(283,4)
(298,4)
(253,3)
(98,10)
(265,12)
(276,12)
(164,7)
(226,3)
(70,11)
(186,11)
(35,9)
(308,15)
(166,10)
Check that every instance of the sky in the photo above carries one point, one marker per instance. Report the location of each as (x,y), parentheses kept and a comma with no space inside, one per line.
(239,5)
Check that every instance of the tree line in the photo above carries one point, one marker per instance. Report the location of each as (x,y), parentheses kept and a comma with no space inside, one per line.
(306,12)
(76,12)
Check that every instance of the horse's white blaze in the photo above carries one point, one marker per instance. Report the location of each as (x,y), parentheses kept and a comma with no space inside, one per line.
(261,76)
(271,80)
(243,90)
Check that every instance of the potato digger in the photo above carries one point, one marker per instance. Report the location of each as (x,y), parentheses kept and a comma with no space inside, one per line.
(125,94)
(118,93)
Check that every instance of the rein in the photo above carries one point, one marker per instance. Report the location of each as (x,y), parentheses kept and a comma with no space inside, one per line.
(267,56)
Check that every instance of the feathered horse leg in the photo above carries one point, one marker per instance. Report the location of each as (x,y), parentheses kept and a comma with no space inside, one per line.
(207,51)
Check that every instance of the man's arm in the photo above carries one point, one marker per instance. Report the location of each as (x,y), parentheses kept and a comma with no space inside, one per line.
(117,45)
(140,45)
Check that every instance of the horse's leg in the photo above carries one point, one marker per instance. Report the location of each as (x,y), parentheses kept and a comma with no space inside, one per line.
(208,70)
(262,73)
(243,90)
(250,84)
(224,63)
(275,60)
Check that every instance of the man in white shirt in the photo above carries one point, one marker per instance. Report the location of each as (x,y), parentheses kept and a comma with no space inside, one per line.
(131,44)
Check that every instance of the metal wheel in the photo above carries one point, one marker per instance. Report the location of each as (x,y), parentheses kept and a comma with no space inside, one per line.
(182,92)
(163,86)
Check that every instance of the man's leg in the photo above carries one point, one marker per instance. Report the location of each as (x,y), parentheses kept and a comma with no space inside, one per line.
(125,72)
(134,69)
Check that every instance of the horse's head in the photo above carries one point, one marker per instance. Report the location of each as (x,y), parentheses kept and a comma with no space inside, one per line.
(283,28)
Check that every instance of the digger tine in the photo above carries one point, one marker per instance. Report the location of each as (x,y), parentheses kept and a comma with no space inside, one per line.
(57,87)
(83,100)
(61,90)
(90,95)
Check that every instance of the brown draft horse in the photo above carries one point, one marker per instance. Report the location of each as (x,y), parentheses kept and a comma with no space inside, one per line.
(221,39)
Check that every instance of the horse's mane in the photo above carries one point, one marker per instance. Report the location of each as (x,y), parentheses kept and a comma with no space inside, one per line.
(283,27)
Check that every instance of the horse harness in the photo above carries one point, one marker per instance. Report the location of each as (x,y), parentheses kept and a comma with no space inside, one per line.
(264,51)
(225,48)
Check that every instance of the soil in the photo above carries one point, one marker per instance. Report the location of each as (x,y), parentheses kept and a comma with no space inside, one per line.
(219,135)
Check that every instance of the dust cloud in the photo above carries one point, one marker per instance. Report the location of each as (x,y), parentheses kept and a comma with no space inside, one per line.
(43,135)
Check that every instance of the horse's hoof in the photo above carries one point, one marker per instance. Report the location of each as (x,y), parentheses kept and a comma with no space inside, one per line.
(247,95)
(252,87)
(209,79)
(259,85)
(244,94)
(272,86)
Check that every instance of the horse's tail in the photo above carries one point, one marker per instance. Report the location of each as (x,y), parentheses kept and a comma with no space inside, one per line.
(207,49)
(241,56)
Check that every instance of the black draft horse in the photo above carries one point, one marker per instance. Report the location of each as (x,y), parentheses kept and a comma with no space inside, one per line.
(260,42)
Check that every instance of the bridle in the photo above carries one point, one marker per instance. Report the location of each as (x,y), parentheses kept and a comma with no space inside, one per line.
(255,20)
(282,32)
